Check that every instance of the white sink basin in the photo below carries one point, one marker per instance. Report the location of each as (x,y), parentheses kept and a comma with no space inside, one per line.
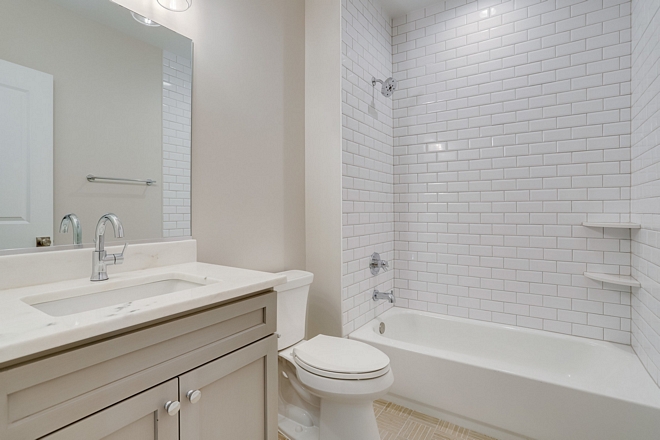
(120,293)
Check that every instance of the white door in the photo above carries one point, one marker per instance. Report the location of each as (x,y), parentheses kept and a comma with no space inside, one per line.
(26,156)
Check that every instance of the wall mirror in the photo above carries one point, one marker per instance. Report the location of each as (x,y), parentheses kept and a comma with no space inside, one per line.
(95,117)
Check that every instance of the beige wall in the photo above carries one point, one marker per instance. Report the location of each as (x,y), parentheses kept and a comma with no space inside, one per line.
(323,165)
(248,128)
(108,115)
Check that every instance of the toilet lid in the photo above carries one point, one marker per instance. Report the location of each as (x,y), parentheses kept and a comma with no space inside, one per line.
(343,376)
(340,355)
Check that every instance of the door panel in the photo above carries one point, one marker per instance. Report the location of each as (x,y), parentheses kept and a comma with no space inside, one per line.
(239,396)
(26,149)
(142,429)
(233,406)
(142,417)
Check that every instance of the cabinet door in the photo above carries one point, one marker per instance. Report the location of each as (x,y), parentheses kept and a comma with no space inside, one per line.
(238,396)
(142,417)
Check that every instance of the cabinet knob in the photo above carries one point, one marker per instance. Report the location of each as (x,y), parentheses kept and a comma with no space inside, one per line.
(194,395)
(172,407)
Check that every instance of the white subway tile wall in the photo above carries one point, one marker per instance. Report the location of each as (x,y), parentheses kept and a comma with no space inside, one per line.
(367,168)
(511,128)
(177,95)
(645,183)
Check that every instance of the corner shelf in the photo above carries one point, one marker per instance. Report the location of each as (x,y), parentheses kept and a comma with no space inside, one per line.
(620,280)
(612,225)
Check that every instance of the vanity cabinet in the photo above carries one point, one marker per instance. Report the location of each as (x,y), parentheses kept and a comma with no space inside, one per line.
(233,396)
(117,388)
(142,417)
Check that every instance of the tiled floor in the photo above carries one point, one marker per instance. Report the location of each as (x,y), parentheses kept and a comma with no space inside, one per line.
(396,422)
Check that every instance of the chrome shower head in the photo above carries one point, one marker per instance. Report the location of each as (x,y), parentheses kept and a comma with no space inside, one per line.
(389,85)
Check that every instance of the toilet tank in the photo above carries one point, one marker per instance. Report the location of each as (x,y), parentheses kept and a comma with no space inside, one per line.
(292,307)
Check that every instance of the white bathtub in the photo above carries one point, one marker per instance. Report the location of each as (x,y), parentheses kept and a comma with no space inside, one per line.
(516,382)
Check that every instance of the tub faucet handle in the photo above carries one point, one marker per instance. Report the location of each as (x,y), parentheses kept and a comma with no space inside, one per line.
(377,264)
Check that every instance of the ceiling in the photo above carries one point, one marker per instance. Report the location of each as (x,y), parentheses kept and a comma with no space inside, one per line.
(398,8)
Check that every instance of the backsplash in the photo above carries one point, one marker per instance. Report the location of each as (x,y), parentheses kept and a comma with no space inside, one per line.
(177,101)
(511,128)
(69,264)
(645,201)
(367,166)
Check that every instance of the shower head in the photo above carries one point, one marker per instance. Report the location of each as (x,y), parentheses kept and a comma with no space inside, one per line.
(389,85)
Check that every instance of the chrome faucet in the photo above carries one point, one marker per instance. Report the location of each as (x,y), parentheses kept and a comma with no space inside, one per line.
(389,296)
(100,258)
(72,219)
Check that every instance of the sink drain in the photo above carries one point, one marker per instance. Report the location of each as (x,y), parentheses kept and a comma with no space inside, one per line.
(381,328)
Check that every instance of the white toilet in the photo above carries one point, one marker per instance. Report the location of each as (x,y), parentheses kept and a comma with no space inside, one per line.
(327,385)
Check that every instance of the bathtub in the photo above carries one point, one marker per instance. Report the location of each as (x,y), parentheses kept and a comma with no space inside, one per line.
(512,382)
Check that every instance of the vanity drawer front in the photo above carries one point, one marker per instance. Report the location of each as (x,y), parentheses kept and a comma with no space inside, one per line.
(45,395)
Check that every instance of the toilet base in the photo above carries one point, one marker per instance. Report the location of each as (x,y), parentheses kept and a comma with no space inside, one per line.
(296,431)
(339,421)
(348,421)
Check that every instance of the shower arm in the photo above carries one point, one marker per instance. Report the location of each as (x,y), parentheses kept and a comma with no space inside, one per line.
(374,81)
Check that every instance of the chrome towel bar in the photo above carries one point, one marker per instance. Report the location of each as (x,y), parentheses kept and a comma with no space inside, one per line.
(93,178)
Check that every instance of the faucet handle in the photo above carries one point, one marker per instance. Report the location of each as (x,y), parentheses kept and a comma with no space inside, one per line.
(377,264)
(119,258)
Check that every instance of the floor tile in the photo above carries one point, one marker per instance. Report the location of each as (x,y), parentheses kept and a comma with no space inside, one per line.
(396,422)
(415,430)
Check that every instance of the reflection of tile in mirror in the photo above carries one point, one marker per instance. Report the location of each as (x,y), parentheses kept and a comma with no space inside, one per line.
(177,92)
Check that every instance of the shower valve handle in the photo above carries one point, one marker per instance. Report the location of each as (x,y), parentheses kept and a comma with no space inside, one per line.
(377,264)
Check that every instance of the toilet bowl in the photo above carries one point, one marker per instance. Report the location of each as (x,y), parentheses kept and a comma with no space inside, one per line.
(327,385)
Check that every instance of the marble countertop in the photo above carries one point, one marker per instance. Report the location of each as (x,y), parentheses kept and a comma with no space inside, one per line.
(26,331)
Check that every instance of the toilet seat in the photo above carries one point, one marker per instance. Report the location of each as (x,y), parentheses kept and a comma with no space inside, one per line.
(339,358)
(341,376)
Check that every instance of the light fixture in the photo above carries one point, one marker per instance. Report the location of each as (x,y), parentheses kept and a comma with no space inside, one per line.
(175,5)
(144,20)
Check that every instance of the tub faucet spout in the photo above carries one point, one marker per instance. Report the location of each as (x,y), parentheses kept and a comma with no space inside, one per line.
(389,296)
